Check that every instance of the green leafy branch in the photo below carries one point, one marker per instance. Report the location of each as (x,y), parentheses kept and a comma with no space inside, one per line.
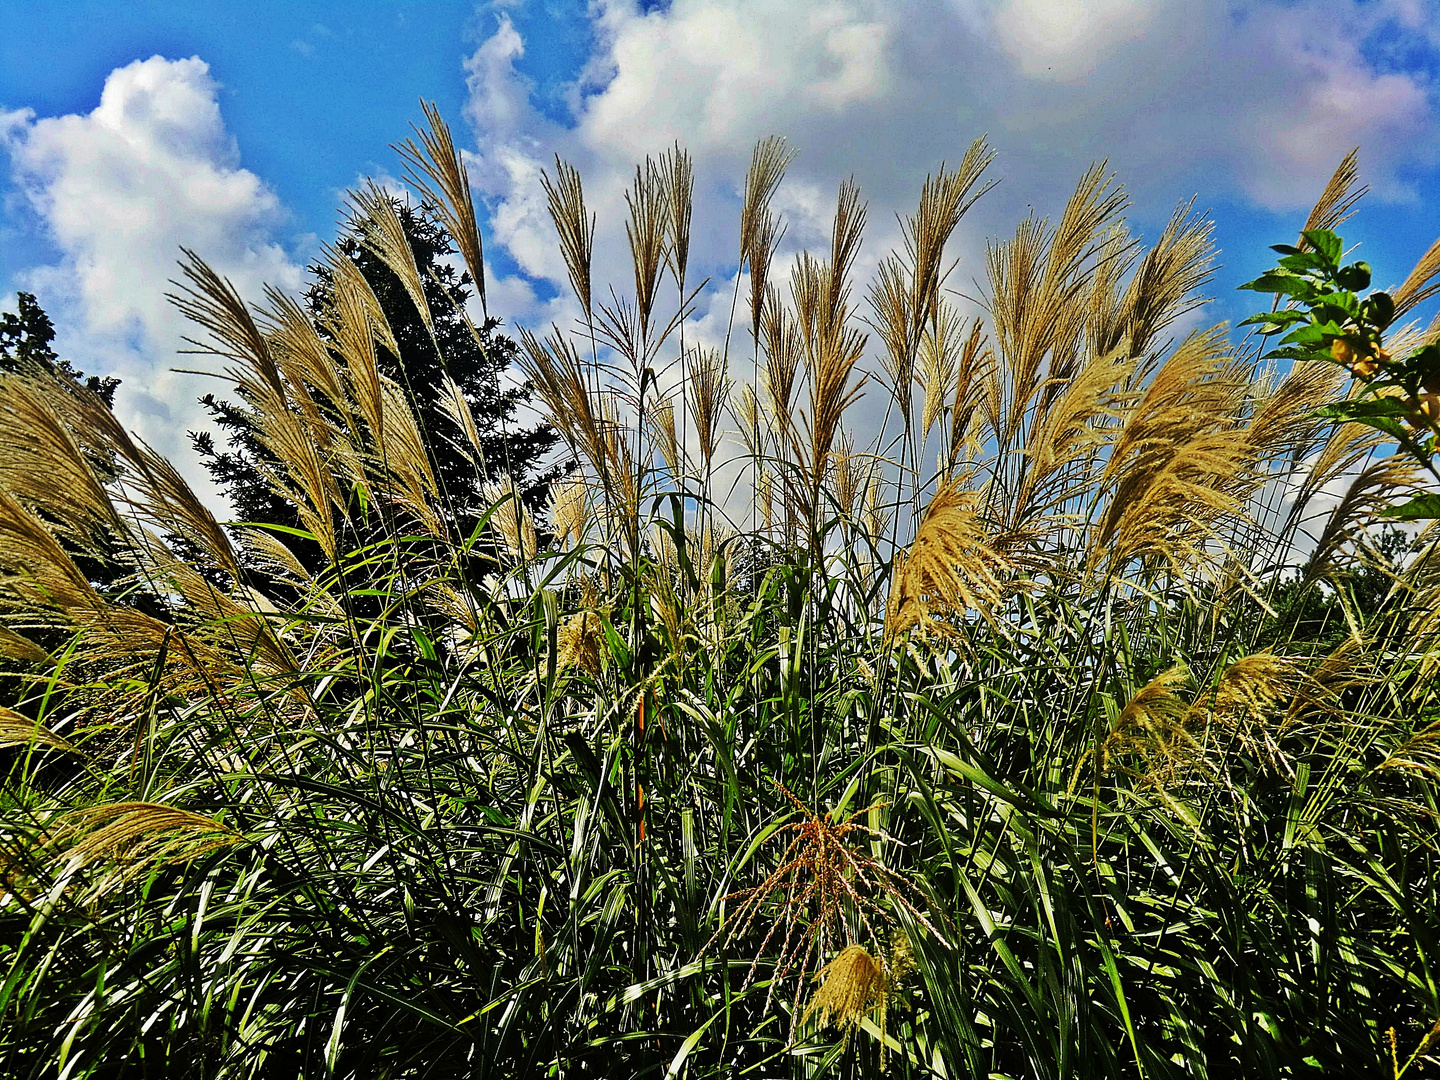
(1326,319)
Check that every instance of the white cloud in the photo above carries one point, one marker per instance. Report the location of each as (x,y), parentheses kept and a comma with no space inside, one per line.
(1215,98)
(1258,100)
(121,190)
(1066,41)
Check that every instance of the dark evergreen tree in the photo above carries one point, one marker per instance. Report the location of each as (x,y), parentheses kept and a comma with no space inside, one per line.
(478,367)
(25,338)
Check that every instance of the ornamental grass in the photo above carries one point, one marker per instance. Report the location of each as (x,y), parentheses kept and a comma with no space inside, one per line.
(1081,721)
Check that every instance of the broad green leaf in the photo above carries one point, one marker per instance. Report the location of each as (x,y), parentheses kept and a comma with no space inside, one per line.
(1420,508)
(1326,244)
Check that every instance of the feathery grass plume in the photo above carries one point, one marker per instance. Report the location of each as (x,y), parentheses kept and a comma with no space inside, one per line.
(621,327)
(645,229)
(1152,725)
(1284,424)
(568,508)
(168,500)
(765,495)
(846,233)
(126,839)
(1247,696)
(945,198)
(707,392)
(375,220)
(305,478)
(1163,286)
(1080,235)
(940,347)
(1285,431)
(780,341)
(367,316)
(1337,202)
(1419,284)
(905,294)
(662,423)
(302,355)
(807,287)
(831,393)
(973,373)
(677,180)
(1057,469)
(565,198)
(745,410)
(845,476)
(620,475)
(890,305)
(852,986)
(365,320)
(768,233)
(452,400)
(1016,272)
(15,646)
(437,170)
(1167,516)
(1410,337)
(134,655)
(1180,464)
(1369,494)
(511,521)
(1115,257)
(578,644)
(949,568)
(665,603)
(1342,452)
(768,162)
(1419,753)
(555,369)
(243,629)
(824,871)
(43,466)
(17,729)
(271,555)
(350,321)
(831,348)
(877,514)
(1038,291)
(35,569)
(1350,666)
(408,479)
(214,304)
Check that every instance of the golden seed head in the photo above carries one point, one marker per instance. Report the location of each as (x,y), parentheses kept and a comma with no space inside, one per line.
(851,987)
(578,643)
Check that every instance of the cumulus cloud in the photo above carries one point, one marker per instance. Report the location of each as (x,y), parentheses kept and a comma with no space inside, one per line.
(120,190)
(1253,101)
(1257,101)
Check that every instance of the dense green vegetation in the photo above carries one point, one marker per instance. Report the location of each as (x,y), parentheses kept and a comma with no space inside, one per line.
(1105,747)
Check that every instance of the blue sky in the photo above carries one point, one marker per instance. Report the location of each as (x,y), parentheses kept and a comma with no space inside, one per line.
(234,128)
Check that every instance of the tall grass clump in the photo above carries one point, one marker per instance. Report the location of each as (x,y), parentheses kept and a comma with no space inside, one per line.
(1079,722)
